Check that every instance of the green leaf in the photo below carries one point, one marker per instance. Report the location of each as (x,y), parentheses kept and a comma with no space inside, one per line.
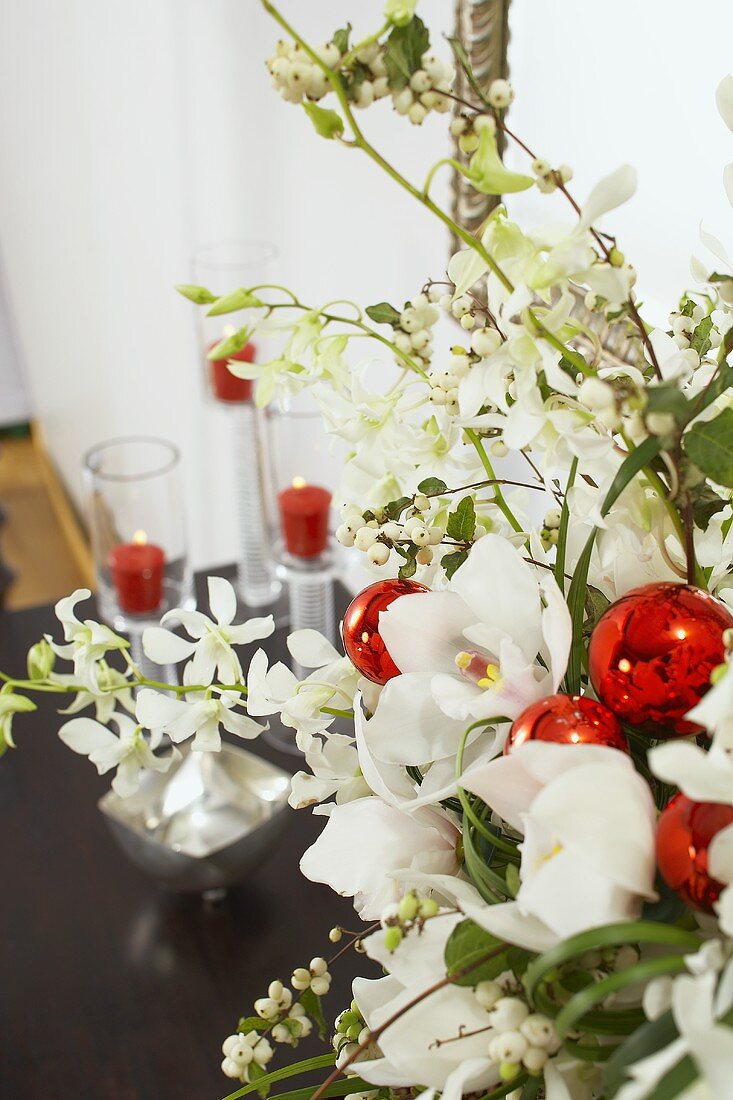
(238,299)
(326,123)
(467,944)
(452,562)
(338,1088)
(462,522)
(395,508)
(432,486)
(383,314)
(630,467)
(404,50)
(341,39)
(512,879)
(701,342)
(646,1040)
(251,1023)
(487,172)
(321,1061)
(410,567)
(255,1073)
(311,1002)
(198,294)
(710,446)
(706,505)
(665,397)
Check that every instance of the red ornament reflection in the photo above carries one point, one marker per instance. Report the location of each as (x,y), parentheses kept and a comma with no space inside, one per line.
(567,720)
(360,628)
(684,835)
(652,652)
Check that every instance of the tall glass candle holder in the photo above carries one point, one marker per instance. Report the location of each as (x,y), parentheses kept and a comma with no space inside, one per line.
(222,268)
(138,535)
(301,475)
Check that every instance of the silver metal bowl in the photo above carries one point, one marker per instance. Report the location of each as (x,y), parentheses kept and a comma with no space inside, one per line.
(204,825)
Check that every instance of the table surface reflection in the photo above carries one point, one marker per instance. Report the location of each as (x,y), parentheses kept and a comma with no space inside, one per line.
(110,987)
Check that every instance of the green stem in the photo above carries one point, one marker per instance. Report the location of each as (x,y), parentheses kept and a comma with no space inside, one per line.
(562,539)
(499,499)
(439,164)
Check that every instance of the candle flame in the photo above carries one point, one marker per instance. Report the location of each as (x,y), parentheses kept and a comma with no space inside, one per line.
(228,330)
(140,538)
(299,483)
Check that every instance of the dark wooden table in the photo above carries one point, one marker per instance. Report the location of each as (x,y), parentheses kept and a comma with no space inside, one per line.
(110,988)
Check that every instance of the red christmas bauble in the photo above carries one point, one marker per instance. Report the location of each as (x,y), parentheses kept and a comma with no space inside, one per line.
(567,720)
(652,652)
(360,628)
(684,834)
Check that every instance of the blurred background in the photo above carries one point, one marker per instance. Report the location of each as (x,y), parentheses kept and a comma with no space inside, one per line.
(132,133)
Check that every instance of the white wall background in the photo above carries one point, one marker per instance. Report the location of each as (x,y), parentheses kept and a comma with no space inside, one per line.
(131,131)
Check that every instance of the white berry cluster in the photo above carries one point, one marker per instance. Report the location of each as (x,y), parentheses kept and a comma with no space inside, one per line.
(243,1051)
(350,1030)
(467,129)
(376,538)
(522,1039)
(444,384)
(289,1021)
(410,912)
(548,177)
(294,73)
(550,531)
(611,404)
(316,977)
(413,334)
(425,91)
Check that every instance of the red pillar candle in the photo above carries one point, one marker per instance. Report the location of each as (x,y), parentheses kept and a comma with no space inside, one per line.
(137,574)
(304,518)
(225,385)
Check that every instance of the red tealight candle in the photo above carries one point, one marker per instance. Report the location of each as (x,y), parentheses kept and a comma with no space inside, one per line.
(304,518)
(137,574)
(225,385)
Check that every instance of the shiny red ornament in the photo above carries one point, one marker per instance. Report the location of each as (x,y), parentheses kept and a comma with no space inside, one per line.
(360,628)
(652,652)
(684,834)
(567,720)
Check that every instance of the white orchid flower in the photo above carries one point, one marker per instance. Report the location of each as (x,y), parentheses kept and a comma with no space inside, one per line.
(365,840)
(468,654)
(129,751)
(211,648)
(114,690)
(334,770)
(88,641)
(698,1002)
(715,710)
(196,717)
(408,1049)
(588,820)
(301,703)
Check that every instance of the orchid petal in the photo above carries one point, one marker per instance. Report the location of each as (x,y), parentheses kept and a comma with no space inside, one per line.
(165,648)
(311,650)
(222,600)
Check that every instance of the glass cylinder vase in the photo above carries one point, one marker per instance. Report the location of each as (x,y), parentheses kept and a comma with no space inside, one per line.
(223,267)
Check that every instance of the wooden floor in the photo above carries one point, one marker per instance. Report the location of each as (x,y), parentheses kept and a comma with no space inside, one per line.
(33,542)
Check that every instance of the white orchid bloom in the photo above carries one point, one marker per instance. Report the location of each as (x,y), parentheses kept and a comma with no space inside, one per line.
(88,641)
(195,716)
(698,1002)
(366,840)
(588,820)
(129,752)
(468,654)
(409,1052)
(114,690)
(301,703)
(334,770)
(211,648)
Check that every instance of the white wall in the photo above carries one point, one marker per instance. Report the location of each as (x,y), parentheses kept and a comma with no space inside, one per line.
(138,130)
(130,131)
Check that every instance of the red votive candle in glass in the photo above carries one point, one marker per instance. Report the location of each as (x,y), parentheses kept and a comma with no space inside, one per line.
(225,385)
(304,518)
(137,573)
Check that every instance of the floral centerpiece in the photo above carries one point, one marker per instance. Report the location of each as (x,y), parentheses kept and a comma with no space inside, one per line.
(533,805)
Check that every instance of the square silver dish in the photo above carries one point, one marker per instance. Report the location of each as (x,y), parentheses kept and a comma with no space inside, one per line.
(206,824)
